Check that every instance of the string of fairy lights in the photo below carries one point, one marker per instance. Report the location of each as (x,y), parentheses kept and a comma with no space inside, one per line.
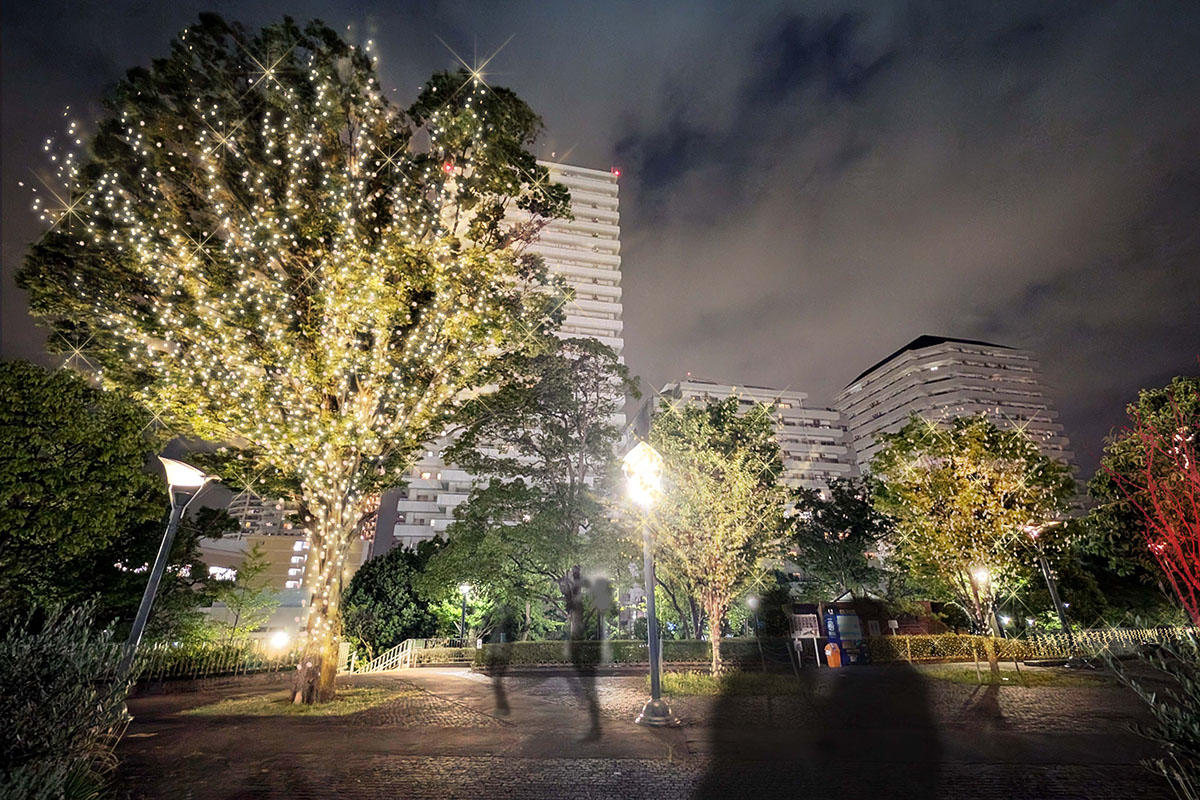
(309,284)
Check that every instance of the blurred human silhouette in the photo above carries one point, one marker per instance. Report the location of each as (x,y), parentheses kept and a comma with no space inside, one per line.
(582,655)
(498,658)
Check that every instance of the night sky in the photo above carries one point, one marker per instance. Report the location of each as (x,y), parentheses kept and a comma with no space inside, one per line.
(805,187)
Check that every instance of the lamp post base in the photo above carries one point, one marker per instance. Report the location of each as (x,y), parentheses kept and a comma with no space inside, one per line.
(657,714)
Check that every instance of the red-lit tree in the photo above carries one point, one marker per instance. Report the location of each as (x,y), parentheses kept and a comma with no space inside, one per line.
(1156,466)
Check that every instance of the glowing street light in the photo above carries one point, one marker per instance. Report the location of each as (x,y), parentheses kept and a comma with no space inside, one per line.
(643,476)
(184,483)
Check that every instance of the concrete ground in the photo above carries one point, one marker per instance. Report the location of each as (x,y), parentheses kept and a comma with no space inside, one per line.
(878,732)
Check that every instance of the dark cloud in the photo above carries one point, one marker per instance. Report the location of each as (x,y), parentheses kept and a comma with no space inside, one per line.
(805,186)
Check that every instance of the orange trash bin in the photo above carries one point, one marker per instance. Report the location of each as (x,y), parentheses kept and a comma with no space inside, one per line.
(833,655)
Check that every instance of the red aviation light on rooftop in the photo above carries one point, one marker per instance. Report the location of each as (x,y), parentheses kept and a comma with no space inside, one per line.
(616,171)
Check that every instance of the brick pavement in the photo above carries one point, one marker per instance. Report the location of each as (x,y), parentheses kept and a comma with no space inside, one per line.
(875,734)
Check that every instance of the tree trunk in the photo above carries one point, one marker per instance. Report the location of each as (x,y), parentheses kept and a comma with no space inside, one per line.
(715,615)
(330,534)
(989,647)
(697,617)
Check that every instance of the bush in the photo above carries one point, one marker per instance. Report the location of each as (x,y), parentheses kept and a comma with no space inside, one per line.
(444,655)
(961,647)
(619,651)
(62,710)
(1176,712)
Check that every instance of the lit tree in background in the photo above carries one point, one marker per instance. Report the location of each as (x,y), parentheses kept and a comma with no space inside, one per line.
(1152,467)
(266,252)
(721,511)
(961,495)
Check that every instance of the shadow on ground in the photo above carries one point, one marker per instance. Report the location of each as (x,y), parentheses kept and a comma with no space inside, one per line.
(839,734)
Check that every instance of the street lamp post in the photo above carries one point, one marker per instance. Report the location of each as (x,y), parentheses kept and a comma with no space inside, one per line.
(753,602)
(184,483)
(643,473)
(464,589)
(1034,531)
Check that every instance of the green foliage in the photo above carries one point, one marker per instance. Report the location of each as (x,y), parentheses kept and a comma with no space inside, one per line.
(834,540)
(545,442)
(63,711)
(613,651)
(81,515)
(72,479)
(720,514)
(380,607)
(249,598)
(1176,712)
(962,495)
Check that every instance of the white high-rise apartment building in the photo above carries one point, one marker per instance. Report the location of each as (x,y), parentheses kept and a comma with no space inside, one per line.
(261,516)
(939,378)
(814,441)
(586,252)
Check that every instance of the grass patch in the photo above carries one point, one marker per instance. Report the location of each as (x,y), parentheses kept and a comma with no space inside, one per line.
(279,703)
(1029,676)
(703,684)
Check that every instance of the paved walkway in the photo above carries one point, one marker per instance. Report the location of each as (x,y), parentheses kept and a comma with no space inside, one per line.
(873,732)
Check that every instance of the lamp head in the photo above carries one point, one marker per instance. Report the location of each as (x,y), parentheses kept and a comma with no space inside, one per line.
(981,575)
(643,474)
(183,477)
(464,589)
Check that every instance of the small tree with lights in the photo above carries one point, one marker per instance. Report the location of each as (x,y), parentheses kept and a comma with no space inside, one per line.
(1154,469)
(962,495)
(721,510)
(268,253)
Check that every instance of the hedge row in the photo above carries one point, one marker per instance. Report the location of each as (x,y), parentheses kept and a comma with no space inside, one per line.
(955,647)
(444,655)
(745,652)
(614,651)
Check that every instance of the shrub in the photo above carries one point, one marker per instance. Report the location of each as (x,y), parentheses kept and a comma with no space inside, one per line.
(1176,712)
(619,651)
(63,711)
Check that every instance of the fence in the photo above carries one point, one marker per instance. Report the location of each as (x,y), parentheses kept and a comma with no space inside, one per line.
(160,661)
(743,653)
(955,647)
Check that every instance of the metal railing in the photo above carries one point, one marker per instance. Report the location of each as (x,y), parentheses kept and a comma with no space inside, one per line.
(1115,642)
(412,652)
(161,661)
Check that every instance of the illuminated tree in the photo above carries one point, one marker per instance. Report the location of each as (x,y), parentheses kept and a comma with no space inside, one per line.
(962,495)
(1153,468)
(268,253)
(721,508)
